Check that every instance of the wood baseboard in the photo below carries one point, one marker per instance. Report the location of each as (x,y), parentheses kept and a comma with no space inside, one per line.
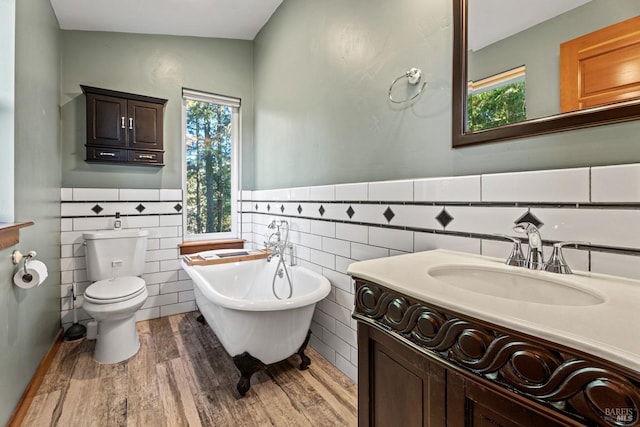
(27,397)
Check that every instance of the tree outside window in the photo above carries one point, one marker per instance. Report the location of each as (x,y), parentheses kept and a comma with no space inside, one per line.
(209,167)
(496,107)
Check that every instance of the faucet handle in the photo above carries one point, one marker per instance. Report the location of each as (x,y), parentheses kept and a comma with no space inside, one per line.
(516,257)
(557,263)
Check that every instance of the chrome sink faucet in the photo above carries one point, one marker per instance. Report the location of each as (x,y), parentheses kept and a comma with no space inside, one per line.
(535,259)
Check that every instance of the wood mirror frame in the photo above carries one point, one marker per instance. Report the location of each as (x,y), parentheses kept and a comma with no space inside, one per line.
(613,113)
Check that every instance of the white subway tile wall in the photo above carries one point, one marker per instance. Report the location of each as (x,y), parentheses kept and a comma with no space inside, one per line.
(333,226)
(615,184)
(560,185)
(159,212)
(454,189)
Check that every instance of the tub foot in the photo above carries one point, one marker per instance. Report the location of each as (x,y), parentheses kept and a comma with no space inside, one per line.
(201,319)
(247,365)
(304,359)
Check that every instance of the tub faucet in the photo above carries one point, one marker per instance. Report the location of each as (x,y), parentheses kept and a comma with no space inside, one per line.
(274,247)
(535,260)
(275,241)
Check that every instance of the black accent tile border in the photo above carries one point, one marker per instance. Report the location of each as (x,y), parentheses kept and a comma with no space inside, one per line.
(567,205)
(530,218)
(444,218)
(121,215)
(350,212)
(593,248)
(122,201)
(388,214)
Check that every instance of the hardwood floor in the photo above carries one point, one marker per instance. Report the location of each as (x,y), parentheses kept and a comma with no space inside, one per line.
(182,376)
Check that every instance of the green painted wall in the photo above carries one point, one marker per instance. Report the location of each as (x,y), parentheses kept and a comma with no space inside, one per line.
(30,319)
(158,66)
(7,89)
(322,72)
(538,49)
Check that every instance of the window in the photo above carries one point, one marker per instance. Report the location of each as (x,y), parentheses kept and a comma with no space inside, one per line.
(210,177)
(496,100)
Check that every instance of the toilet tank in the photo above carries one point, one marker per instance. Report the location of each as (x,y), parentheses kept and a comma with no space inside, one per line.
(115,253)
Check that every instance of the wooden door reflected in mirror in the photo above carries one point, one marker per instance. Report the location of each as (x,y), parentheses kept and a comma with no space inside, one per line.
(602,67)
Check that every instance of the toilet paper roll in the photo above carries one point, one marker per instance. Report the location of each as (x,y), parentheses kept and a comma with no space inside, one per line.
(38,272)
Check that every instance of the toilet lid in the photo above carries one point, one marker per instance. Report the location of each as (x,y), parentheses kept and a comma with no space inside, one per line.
(119,288)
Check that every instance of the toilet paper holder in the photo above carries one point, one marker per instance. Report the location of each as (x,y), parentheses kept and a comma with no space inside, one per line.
(18,256)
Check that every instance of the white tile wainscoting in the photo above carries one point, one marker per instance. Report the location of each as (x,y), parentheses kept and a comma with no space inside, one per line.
(159,212)
(332,226)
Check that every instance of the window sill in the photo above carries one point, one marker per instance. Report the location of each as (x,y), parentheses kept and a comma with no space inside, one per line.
(196,246)
(10,233)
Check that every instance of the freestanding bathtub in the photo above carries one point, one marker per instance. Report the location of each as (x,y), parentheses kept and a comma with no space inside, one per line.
(255,327)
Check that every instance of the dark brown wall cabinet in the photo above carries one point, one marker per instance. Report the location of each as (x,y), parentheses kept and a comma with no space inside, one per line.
(422,365)
(124,127)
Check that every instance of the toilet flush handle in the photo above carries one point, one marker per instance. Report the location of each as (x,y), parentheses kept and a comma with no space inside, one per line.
(117,263)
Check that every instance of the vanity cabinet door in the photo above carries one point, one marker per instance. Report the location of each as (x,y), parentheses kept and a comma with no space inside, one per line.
(470,404)
(397,386)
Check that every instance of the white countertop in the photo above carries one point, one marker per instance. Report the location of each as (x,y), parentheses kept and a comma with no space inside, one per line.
(610,330)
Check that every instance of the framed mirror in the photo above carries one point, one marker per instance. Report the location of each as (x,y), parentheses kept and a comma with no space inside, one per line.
(538,119)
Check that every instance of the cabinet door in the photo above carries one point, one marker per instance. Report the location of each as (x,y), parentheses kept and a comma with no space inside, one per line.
(106,120)
(144,125)
(397,385)
(470,404)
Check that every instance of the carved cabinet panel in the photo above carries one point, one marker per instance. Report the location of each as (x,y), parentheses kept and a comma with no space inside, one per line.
(493,376)
(123,127)
(473,404)
(402,388)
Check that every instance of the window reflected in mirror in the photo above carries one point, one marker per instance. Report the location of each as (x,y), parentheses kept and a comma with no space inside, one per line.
(497,100)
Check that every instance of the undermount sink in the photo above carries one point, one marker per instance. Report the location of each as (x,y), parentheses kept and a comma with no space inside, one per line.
(531,286)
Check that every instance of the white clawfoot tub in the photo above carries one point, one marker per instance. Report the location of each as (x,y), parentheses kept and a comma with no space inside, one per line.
(255,327)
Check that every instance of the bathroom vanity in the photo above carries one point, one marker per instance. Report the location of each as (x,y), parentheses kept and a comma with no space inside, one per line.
(453,339)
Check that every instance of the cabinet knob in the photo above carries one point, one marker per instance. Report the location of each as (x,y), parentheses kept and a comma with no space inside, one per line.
(122,122)
(146,156)
(106,154)
(130,123)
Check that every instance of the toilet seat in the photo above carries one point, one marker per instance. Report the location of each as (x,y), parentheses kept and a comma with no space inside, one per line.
(115,290)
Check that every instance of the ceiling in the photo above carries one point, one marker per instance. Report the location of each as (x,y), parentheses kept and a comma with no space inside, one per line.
(230,19)
(494,20)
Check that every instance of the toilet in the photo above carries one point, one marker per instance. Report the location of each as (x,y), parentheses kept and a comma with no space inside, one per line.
(115,259)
